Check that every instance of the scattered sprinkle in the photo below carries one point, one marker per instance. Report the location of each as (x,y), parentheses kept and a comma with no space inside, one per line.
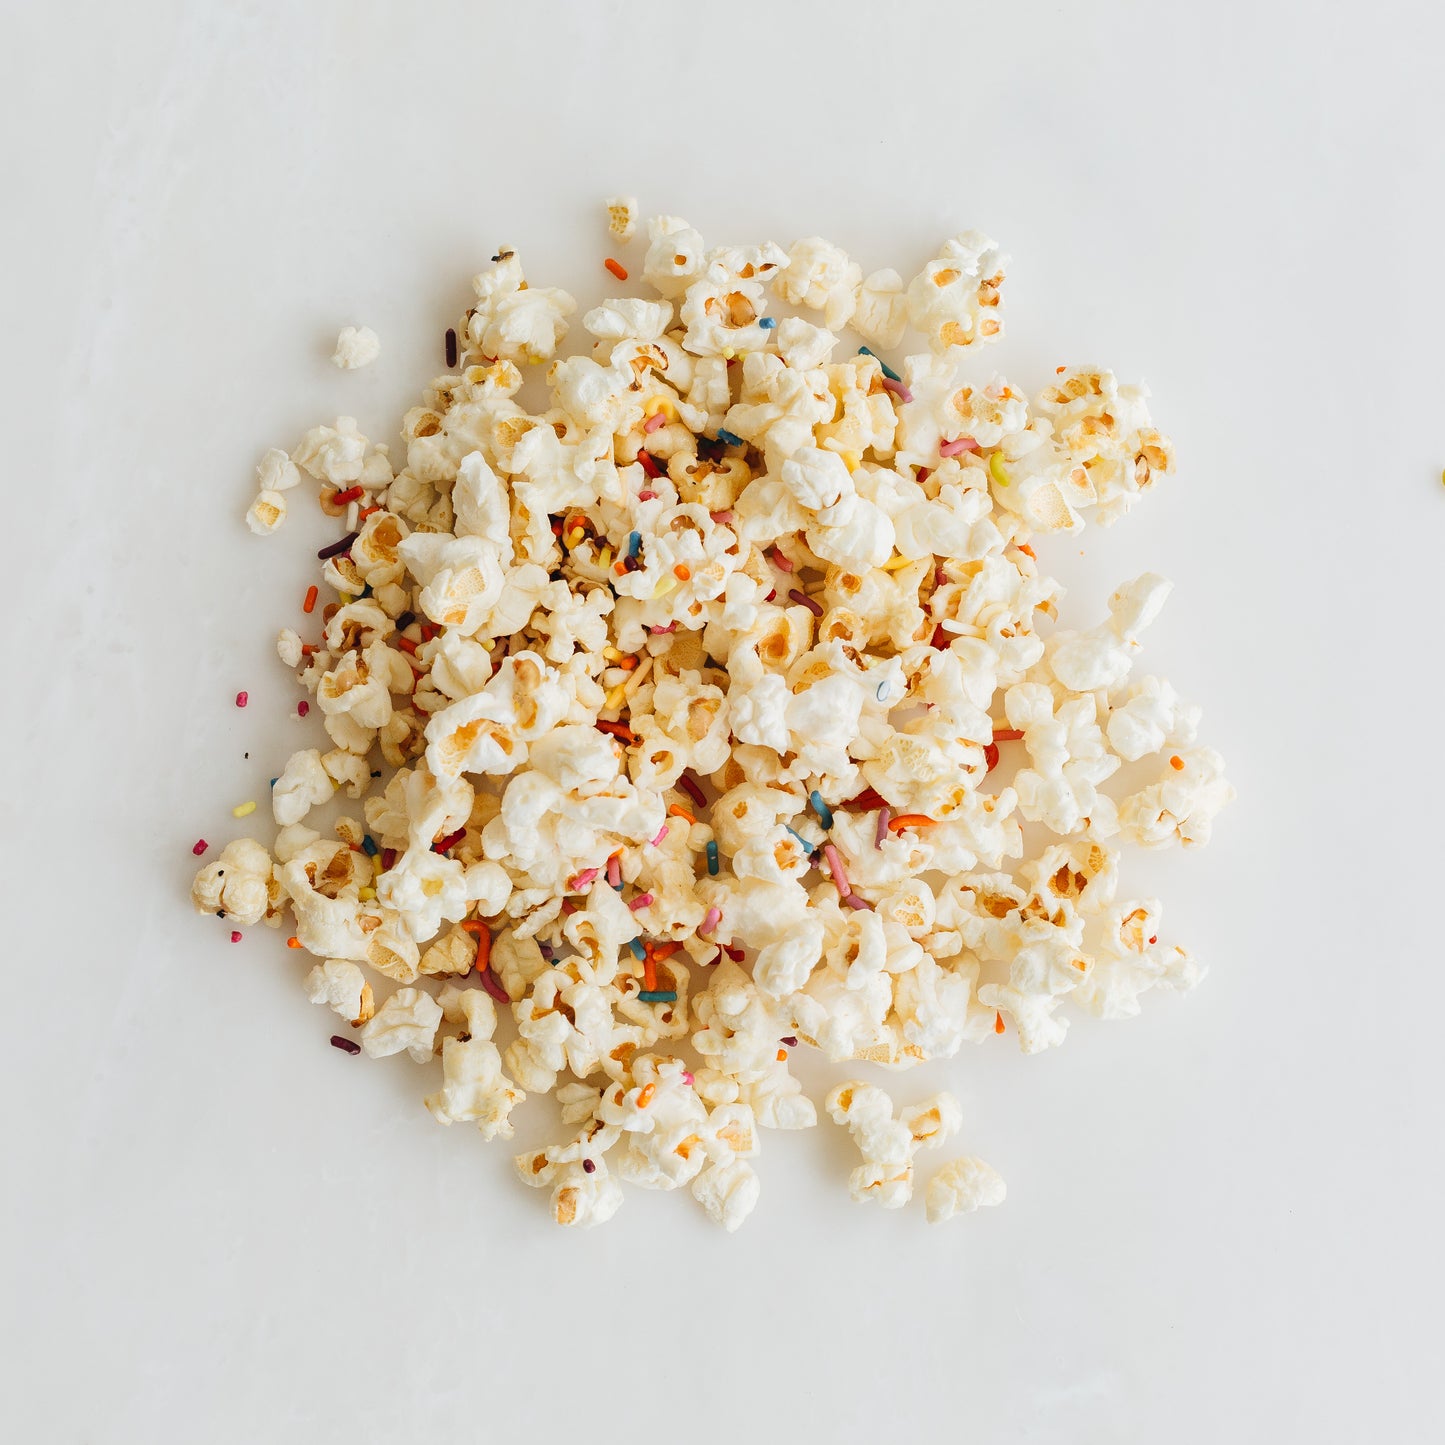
(451,840)
(242,698)
(351,494)
(293,942)
(690,786)
(909,820)
(766,323)
(577,884)
(996,469)
(493,986)
(302,708)
(1177,763)
(242,810)
(589,1166)
(882,690)
(200,847)
(337,548)
(614,872)
(712,860)
(642,900)
(309,605)
(368,845)
(617,268)
(451,343)
(835,870)
(857,904)
(780,559)
(347,1046)
(661,834)
(897,388)
(711,921)
(957,445)
(803,600)
(634,543)
(653,995)
(235,935)
(888,371)
(728,439)
(645,1095)
(997,1023)
(790,1040)
(655,422)
(676,810)
(824,812)
(638,951)
(881,832)
(649,465)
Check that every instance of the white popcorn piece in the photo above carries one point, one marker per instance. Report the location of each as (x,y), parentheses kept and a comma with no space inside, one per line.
(820,276)
(342,987)
(962,1186)
(266,513)
(881,315)
(622,217)
(304,784)
(276,472)
(513,321)
(356,346)
(240,885)
(407,1020)
(954,300)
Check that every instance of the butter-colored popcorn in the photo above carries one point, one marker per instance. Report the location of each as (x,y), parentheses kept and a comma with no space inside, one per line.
(304,783)
(888,1144)
(240,885)
(954,300)
(266,513)
(962,1186)
(356,346)
(407,1020)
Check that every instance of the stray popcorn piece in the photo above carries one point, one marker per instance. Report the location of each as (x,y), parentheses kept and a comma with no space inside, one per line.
(699,694)
(356,346)
(961,1186)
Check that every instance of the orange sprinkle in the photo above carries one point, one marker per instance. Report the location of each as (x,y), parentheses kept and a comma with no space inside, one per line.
(484,942)
(365,512)
(782,1056)
(309,605)
(627,663)
(678,811)
(406,645)
(909,820)
(681,572)
(1177,763)
(308,649)
(620,568)
(665,950)
(644,1095)
(1059,370)
(293,942)
(618,730)
(1028,551)
(998,1023)
(617,268)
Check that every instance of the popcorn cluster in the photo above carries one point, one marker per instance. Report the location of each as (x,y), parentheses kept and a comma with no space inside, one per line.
(698,717)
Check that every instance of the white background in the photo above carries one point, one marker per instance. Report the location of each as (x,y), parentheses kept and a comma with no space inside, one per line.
(1224,1217)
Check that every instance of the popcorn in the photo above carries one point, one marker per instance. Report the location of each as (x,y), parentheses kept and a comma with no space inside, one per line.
(961,1186)
(355,347)
(707,687)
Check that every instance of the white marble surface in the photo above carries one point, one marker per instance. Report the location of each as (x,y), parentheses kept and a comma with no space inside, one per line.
(1223,1218)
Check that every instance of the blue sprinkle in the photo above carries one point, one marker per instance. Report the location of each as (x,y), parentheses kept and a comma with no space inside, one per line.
(638,951)
(824,812)
(808,848)
(882,690)
(634,544)
(767,322)
(657,997)
(368,846)
(712,864)
(888,371)
(273,782)
(729,438)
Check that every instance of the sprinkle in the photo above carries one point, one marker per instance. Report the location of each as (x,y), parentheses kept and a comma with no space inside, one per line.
(687,1078)
(366,894)
(995,469)
(734,952)
(661,834)
(664,586)
(940,638)
(347,1046)
(808,848)
(634,543)
(997,1023)
(1028,551)
(1153,940)
(361,516)
(645,1094)
(614,698)
(302,708)
(728,439)
(1007,735)
(723,519)
(682,572)
(655,422)
(957,445)
(604,558)
(368,845)
(450,841)
(405,620)
(766,323)
(990,756)
(346,598)
(614,872)
(714,917)
(617,730)
(791,1040)
(824,812)
(617,268)
(779,560)
(868,800)
(712,863)
(923,475)
(888,371)
(351,494)
(575,537)
(676,810)
(857,904)
(293,942)
(909,820)
(882,690)
(646,495)
(897,388)
(451,347)
(242,698)
(388,859)
(653,995)
(493,986)
(578,883)
(407,645)
(337,548)
(649,970)
(200,847)
(803,600)
(235,935)
(638,951)
(663,631)
(835,868)
(649,464)
(629,665)
(689,785)
(589,1166)
(309,604)
(881,832)
(643,900)
(242,810)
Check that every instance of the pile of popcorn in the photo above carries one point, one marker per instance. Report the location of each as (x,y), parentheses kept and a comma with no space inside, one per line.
(698,717)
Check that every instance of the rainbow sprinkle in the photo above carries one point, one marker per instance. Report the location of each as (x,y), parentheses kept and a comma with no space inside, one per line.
(712,862)
(638,951)
(897,388)
(657,996)
(887,370)
(641,901)
(824,812)
(241,810)
(728,438)
(766,323)
(201,846)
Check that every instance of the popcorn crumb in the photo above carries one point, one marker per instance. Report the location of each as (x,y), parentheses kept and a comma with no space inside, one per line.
(356,346)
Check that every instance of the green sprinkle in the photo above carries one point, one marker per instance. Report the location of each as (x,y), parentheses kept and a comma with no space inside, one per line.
(657,997)
(712,864)
(888,371)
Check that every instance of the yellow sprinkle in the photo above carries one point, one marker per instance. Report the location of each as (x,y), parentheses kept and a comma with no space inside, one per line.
(243,809)
(728,353)
(604,558)
(851,460)
(893,564)
(575,536)
(664,587)
(614,698)
(367,894)
(611,654)
(346,598)
(995,469)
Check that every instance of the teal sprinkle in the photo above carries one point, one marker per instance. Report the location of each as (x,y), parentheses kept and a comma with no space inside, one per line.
(274,782)
(712,864)
(638,951)
(809,848)
(824,812)
(768,322)
(729,438)
(368,846)
(657,997)
(634,544)
(888,371)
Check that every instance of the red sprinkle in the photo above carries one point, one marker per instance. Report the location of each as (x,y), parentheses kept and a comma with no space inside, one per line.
(649,464)
(351,494)
(589,1166)
(617,268)
(780,559)
(406,645)
(939,639)
(201,846)
(302,708)
(450,841)
(655,422)
(733,952)
(242,698)
(803,600)
(388,859)
(690,786)
(338,547)
(451,348)
(868,801)
(347,1046)
(617,730)
(1007,735)
(990,755)
(309,605)
(235,935)
(646,496)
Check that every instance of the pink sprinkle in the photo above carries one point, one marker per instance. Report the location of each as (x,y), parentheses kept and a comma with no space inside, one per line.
(614,872)
(641,901)
(723,519)
(959,444)
(939,576)
(658,419)
(803,600)
(661,631)
(201,846)
(235,935)
(779,560)
(661,834)
(835,867)
(687,1077)
(302,708)
(853,901)
(646,496)
(885,814)
(582,879)
(897,388)
(242,698)
(493,986)
(714,917)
